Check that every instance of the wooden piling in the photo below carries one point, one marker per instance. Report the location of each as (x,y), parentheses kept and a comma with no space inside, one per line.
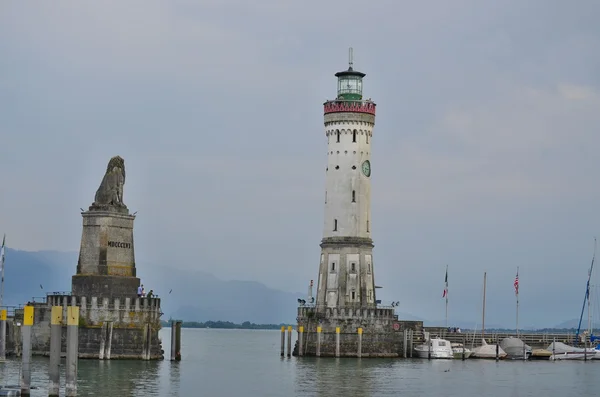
(405,343)
(300,341)
(55,350)
(3,334)
(26,351)
(463,348)
(282,341)
(360,333)
(178,325)
(173,340)
(318,353)
(337,341)
(497,349)
(72,350)
(289,338)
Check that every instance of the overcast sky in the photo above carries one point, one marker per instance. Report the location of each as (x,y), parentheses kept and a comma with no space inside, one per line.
(485,149)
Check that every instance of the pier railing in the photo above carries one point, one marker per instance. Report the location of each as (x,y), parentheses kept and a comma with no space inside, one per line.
(535,340)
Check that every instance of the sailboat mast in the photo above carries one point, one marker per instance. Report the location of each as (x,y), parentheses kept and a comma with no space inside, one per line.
(587,295)
(517,293)
(483,314)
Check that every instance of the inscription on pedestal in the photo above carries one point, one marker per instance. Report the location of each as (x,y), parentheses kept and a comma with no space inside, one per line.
(119,244)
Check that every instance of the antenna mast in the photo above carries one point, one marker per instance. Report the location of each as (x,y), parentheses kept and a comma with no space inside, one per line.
(350,58)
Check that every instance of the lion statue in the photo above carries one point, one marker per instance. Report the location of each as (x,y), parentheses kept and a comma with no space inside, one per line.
(110,191)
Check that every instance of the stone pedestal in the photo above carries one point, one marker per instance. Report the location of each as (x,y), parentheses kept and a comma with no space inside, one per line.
(106,266)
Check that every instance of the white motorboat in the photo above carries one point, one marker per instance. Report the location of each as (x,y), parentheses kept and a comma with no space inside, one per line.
(562,351)
(488,351)
(457,351)
(438,348)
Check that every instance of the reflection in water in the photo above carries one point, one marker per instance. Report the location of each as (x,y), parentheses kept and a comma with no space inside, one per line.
(234,363)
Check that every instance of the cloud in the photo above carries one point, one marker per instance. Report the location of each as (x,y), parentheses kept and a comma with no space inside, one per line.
(484,153)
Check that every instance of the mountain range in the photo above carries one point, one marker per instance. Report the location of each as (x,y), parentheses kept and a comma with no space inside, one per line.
(186,294)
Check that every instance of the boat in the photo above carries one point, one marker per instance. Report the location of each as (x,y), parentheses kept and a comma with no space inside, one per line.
(458,349)
(540,354)
(488,351)
(437,347)
(562,351)
(515,348)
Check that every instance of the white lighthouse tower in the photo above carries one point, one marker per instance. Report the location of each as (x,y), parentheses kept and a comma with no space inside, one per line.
(346,278)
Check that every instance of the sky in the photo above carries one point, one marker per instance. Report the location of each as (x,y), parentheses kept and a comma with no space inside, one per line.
(485,148)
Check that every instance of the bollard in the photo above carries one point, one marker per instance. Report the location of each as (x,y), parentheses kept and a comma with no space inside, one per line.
(411,336)
(300,340)
(337,341)
(72,350)
(289,349)
(178,340)
(428,349)
(55,350)
(173,341)
(319,329)
(2,334)
(360,331)
(282,341)
(26,353)
(497,349)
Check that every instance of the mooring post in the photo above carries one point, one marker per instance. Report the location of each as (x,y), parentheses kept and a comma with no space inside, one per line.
(319,329)
(55,350)
(405,343)
(72,350)
(289,347)
(360,332)
(497,349)
(283,341)
(428,348)
(553,348)
(173,340)
(410,337)
(585,347)
(178,325)
(2,334)
(463,348)
(524,352)
(337,341)
(26,352)
(300,340)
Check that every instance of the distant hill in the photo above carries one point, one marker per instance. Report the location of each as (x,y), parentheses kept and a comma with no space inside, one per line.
(25,271)
(575,322)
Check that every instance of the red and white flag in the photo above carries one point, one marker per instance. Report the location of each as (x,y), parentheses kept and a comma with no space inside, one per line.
(516,284)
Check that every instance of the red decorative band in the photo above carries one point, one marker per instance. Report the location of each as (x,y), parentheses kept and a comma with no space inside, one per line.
(354,107)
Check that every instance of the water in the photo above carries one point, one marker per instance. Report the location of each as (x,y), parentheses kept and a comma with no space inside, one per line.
(243,362)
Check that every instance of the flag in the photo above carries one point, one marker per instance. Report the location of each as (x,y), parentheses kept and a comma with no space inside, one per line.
(445,294)
(2,254)
(516,284)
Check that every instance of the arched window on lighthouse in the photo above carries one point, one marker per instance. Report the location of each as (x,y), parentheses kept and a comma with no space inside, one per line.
(354,196)
(337,132)
(367,135)
(335,225)
(354,136)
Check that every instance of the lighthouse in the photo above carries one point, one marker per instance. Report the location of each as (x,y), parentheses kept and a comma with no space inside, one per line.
(346,273)
(346,319)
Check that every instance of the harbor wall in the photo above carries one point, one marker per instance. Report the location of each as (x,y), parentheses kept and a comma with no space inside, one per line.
(109,328)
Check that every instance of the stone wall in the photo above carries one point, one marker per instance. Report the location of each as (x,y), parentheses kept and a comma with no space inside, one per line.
(119,328)
(382,332)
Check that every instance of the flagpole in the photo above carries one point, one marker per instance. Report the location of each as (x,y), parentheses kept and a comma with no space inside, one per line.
(446,296)
(2,253)
(517,293)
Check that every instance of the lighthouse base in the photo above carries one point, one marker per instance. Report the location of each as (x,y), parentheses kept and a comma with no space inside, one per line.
(332,332)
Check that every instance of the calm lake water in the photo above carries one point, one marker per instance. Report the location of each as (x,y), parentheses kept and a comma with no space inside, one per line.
(247,363)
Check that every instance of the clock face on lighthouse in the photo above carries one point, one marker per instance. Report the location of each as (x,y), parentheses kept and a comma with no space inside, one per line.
(366,168)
